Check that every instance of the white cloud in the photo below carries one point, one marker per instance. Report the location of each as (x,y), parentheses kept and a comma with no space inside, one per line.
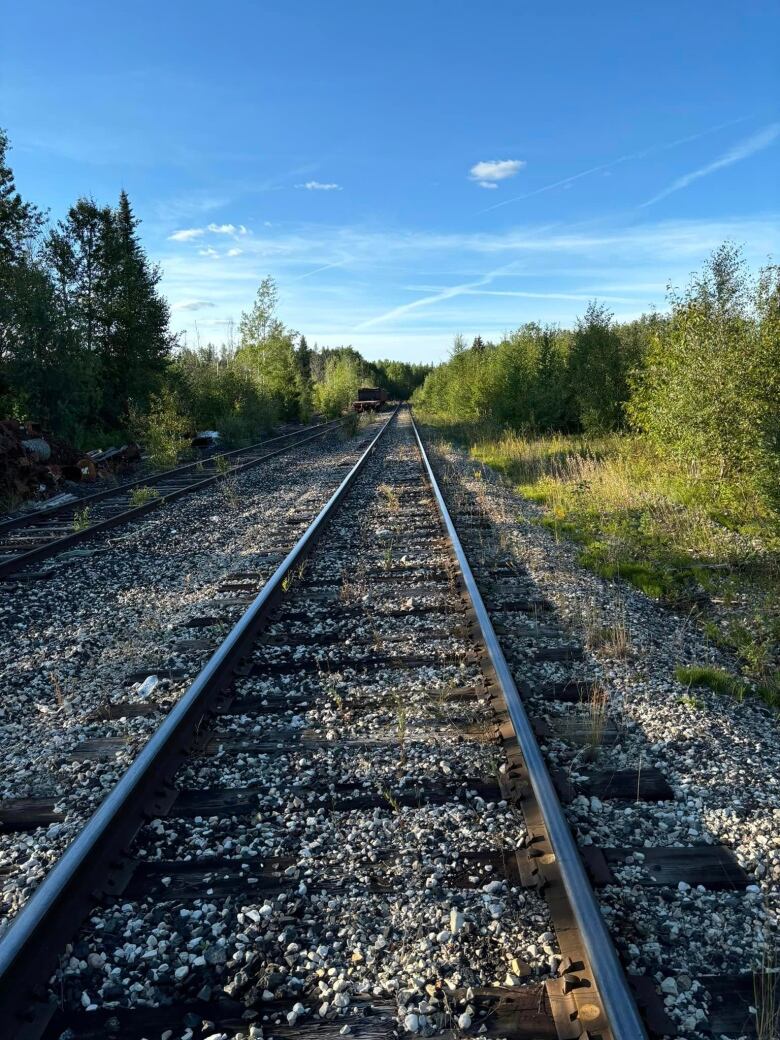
(235,252)
(208,252)
(319,186)
(487,174)
(226,229)
(743,150)
(186,234)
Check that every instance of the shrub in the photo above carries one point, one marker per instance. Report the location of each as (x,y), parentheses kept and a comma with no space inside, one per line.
(162,429)
(339,386)
(710,391)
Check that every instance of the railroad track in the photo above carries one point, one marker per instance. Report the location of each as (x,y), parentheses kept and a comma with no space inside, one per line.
(345,825)
(34,537)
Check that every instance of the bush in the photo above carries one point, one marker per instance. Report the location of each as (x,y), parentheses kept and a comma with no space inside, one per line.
(338,388)
(162,430)
(710,391)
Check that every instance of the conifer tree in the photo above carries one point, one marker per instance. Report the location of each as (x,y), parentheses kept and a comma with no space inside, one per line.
(19,224)
(137,343)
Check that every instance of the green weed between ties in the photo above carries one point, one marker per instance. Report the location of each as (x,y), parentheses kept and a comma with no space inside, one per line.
(140,496)
(81,519)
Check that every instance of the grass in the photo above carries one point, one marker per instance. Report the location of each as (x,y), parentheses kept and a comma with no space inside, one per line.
(766,989)
(613,638)
(81,519)
(141,495)
(714,679)
(390,497)
(349,428)
(692,540)
(230,492)
(689,701)
(598,716)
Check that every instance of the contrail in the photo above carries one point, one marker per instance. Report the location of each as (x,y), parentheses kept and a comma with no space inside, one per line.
(325,267)
(743,150)
(615,162)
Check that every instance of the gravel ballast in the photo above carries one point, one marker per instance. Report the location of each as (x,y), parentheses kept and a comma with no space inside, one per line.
(351,882)
(720,757)
(121,603)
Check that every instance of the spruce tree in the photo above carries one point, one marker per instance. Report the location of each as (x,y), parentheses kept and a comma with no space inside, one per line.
(137,343)
(19,225)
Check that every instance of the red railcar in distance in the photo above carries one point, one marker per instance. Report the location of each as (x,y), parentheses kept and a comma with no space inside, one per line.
(369,399)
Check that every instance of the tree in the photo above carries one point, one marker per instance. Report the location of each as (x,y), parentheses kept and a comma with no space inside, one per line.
(20,223)
(339,386)
(267,351)
(137,342)
(599,371)
(710,390)
(260,323)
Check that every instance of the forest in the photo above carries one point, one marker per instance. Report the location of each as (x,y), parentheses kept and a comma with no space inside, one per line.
(86,348)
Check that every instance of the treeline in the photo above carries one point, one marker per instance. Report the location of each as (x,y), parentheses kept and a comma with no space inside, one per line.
(700,382)
(87,351)
(83,329)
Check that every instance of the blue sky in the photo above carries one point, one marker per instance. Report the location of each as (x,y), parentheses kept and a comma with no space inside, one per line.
(406,170)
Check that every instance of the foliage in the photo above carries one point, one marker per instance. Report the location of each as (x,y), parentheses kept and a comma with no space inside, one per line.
(140,496)
(519,382)
(399,378)
(162,429)
(710,390)
(338,388)
(599,366)
(81,519)
(267,353)
(219,392)
(83,329)
(712,549)
(713,678)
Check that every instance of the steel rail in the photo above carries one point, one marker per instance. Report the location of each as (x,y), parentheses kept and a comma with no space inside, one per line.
(611,982)
(56,545)
(28,519)
(81,875)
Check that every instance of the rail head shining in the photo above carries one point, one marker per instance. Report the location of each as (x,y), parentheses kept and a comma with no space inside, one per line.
(619,1004)
(63,899)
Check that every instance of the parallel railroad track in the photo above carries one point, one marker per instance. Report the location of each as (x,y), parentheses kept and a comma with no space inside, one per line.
(34,537)
(344,824)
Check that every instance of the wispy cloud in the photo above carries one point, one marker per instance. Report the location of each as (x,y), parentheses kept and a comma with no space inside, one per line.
(564,182)
(749,146)
(437,297)
(488,174)
(234,252)
(186,234)
(323,267)
(319,186)
(366,284)
(193,305)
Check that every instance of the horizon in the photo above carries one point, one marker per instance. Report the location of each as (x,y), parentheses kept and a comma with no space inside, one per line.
(511,172)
